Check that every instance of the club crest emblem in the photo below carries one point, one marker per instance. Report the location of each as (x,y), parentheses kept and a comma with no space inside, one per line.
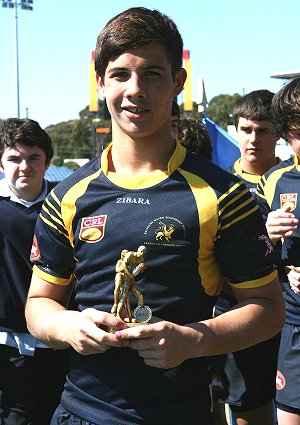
(164,232)
(35,253)
(288,199)
(92,228)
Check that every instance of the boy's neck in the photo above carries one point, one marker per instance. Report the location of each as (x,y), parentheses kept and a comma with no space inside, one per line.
(141,155)
(257,169)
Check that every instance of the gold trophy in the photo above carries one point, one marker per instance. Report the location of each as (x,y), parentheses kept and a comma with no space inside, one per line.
(130,265)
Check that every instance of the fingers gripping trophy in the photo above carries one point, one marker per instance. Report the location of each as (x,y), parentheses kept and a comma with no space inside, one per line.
(130,265)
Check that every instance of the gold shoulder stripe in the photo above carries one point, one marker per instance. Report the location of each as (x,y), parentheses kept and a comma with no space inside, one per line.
(207,207)
(241,217)
(233,200)
(270,184)
(52,216)
(232,189)
(55,197)
(240,206)
(53,208)
(49,223)
(68,203)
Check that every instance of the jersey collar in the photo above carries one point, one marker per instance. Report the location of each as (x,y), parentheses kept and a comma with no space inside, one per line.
(147,180)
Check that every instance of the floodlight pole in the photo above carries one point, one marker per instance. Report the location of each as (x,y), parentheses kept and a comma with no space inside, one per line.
(27,5)
(17,59)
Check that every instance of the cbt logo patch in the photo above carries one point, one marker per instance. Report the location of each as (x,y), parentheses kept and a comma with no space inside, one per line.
(288,200)
(92,228)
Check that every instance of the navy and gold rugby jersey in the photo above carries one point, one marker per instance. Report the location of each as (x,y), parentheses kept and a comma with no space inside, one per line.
(279,187)
(226,301)
(250,180)
(198,223)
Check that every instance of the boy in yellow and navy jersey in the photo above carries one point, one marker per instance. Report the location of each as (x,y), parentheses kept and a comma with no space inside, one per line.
(246,379)
(148,190)
(277,195)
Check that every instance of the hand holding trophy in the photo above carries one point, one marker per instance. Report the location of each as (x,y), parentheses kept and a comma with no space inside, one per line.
(130,265)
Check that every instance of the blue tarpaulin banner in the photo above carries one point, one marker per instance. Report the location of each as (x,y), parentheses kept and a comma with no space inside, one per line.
(225,148)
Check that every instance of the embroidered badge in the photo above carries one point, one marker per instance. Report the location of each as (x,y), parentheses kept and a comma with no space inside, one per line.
(288,200)
(92,228)
(268,243)
(35,253)
(280,381)
(166,231)
(217,383)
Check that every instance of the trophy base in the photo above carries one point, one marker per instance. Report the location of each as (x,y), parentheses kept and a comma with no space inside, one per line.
(133,324)
(141,316)
(129,324)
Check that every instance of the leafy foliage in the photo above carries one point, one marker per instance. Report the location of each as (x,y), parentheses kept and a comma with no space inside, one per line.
(57,161)
(78,138)
(72,165)
(220,109)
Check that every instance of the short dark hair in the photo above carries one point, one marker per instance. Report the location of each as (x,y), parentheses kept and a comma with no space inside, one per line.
(286,108)
(254,106)
(193,135)
(27,132)
(135,27)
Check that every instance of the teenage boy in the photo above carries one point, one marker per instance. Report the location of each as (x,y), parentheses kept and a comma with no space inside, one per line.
(277,195)
(31,374)
(148,190)
(246,379)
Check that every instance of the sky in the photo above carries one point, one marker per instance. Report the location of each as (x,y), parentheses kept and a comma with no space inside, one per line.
(235,46)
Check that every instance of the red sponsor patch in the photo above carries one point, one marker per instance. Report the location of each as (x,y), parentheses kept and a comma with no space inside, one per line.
(92,228)
(288,199)
(280,381)
(35,253)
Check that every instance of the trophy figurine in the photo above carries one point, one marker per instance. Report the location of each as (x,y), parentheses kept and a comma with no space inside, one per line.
(130,265)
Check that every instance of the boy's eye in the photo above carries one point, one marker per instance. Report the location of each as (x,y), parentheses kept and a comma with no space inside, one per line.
(152,73)
(119,74)
(246,130)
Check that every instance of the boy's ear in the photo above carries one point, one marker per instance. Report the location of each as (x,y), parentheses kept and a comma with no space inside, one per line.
(180,78)
(100,85)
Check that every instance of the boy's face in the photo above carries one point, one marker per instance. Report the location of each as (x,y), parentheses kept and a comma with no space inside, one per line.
(139,88)
(256,140)
(24,168)
(293,138)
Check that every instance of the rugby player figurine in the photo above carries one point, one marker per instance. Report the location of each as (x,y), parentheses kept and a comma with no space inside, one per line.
(130,265)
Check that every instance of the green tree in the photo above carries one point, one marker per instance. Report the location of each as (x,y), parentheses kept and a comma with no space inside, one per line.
(72,165)
(57,161)
(78,138)
(220,109)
